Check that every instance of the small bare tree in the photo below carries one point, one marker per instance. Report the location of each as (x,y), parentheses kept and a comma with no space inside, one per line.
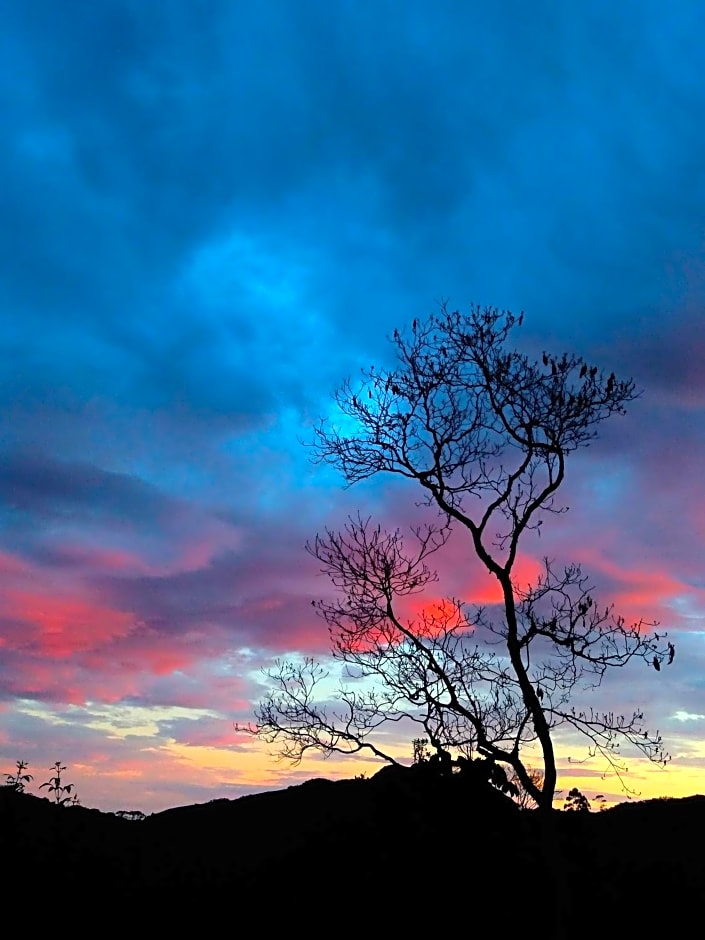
(485,432)
(523,799)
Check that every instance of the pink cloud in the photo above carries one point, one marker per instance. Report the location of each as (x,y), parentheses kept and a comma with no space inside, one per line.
(64,625)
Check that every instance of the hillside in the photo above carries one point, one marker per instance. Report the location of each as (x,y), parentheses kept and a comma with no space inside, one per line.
(398,848)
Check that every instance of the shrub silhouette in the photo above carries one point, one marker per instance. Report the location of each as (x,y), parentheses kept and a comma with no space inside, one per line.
(19,779)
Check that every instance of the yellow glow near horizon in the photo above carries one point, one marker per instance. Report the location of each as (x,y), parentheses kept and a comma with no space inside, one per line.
(158,771)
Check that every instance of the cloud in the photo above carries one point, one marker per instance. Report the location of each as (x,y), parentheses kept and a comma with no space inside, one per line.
(41,486)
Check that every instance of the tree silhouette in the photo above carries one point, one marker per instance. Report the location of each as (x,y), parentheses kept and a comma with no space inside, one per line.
(485,431)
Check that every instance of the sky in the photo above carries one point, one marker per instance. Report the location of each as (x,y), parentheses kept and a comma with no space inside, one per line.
(215,213)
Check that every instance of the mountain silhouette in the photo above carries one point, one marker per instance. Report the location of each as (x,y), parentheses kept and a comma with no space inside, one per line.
(401,849)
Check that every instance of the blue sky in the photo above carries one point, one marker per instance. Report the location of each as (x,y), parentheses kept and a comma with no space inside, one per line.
(215,213)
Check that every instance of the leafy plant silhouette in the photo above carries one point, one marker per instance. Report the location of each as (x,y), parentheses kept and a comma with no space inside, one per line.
(421,752)
(577,802)
(61,792)
(19,779)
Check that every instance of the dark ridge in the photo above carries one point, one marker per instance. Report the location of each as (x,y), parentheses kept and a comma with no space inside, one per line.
(400,849)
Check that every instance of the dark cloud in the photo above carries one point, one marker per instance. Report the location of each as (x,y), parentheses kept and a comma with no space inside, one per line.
(259,596)
(44,488)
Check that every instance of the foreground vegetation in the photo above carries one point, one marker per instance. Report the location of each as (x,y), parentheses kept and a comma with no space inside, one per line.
(405,848)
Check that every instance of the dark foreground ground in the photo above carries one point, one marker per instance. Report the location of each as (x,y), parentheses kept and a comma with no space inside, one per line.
(418,856)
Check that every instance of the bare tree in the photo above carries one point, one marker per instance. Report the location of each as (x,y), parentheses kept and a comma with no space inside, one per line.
(523,799)
(485,431)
